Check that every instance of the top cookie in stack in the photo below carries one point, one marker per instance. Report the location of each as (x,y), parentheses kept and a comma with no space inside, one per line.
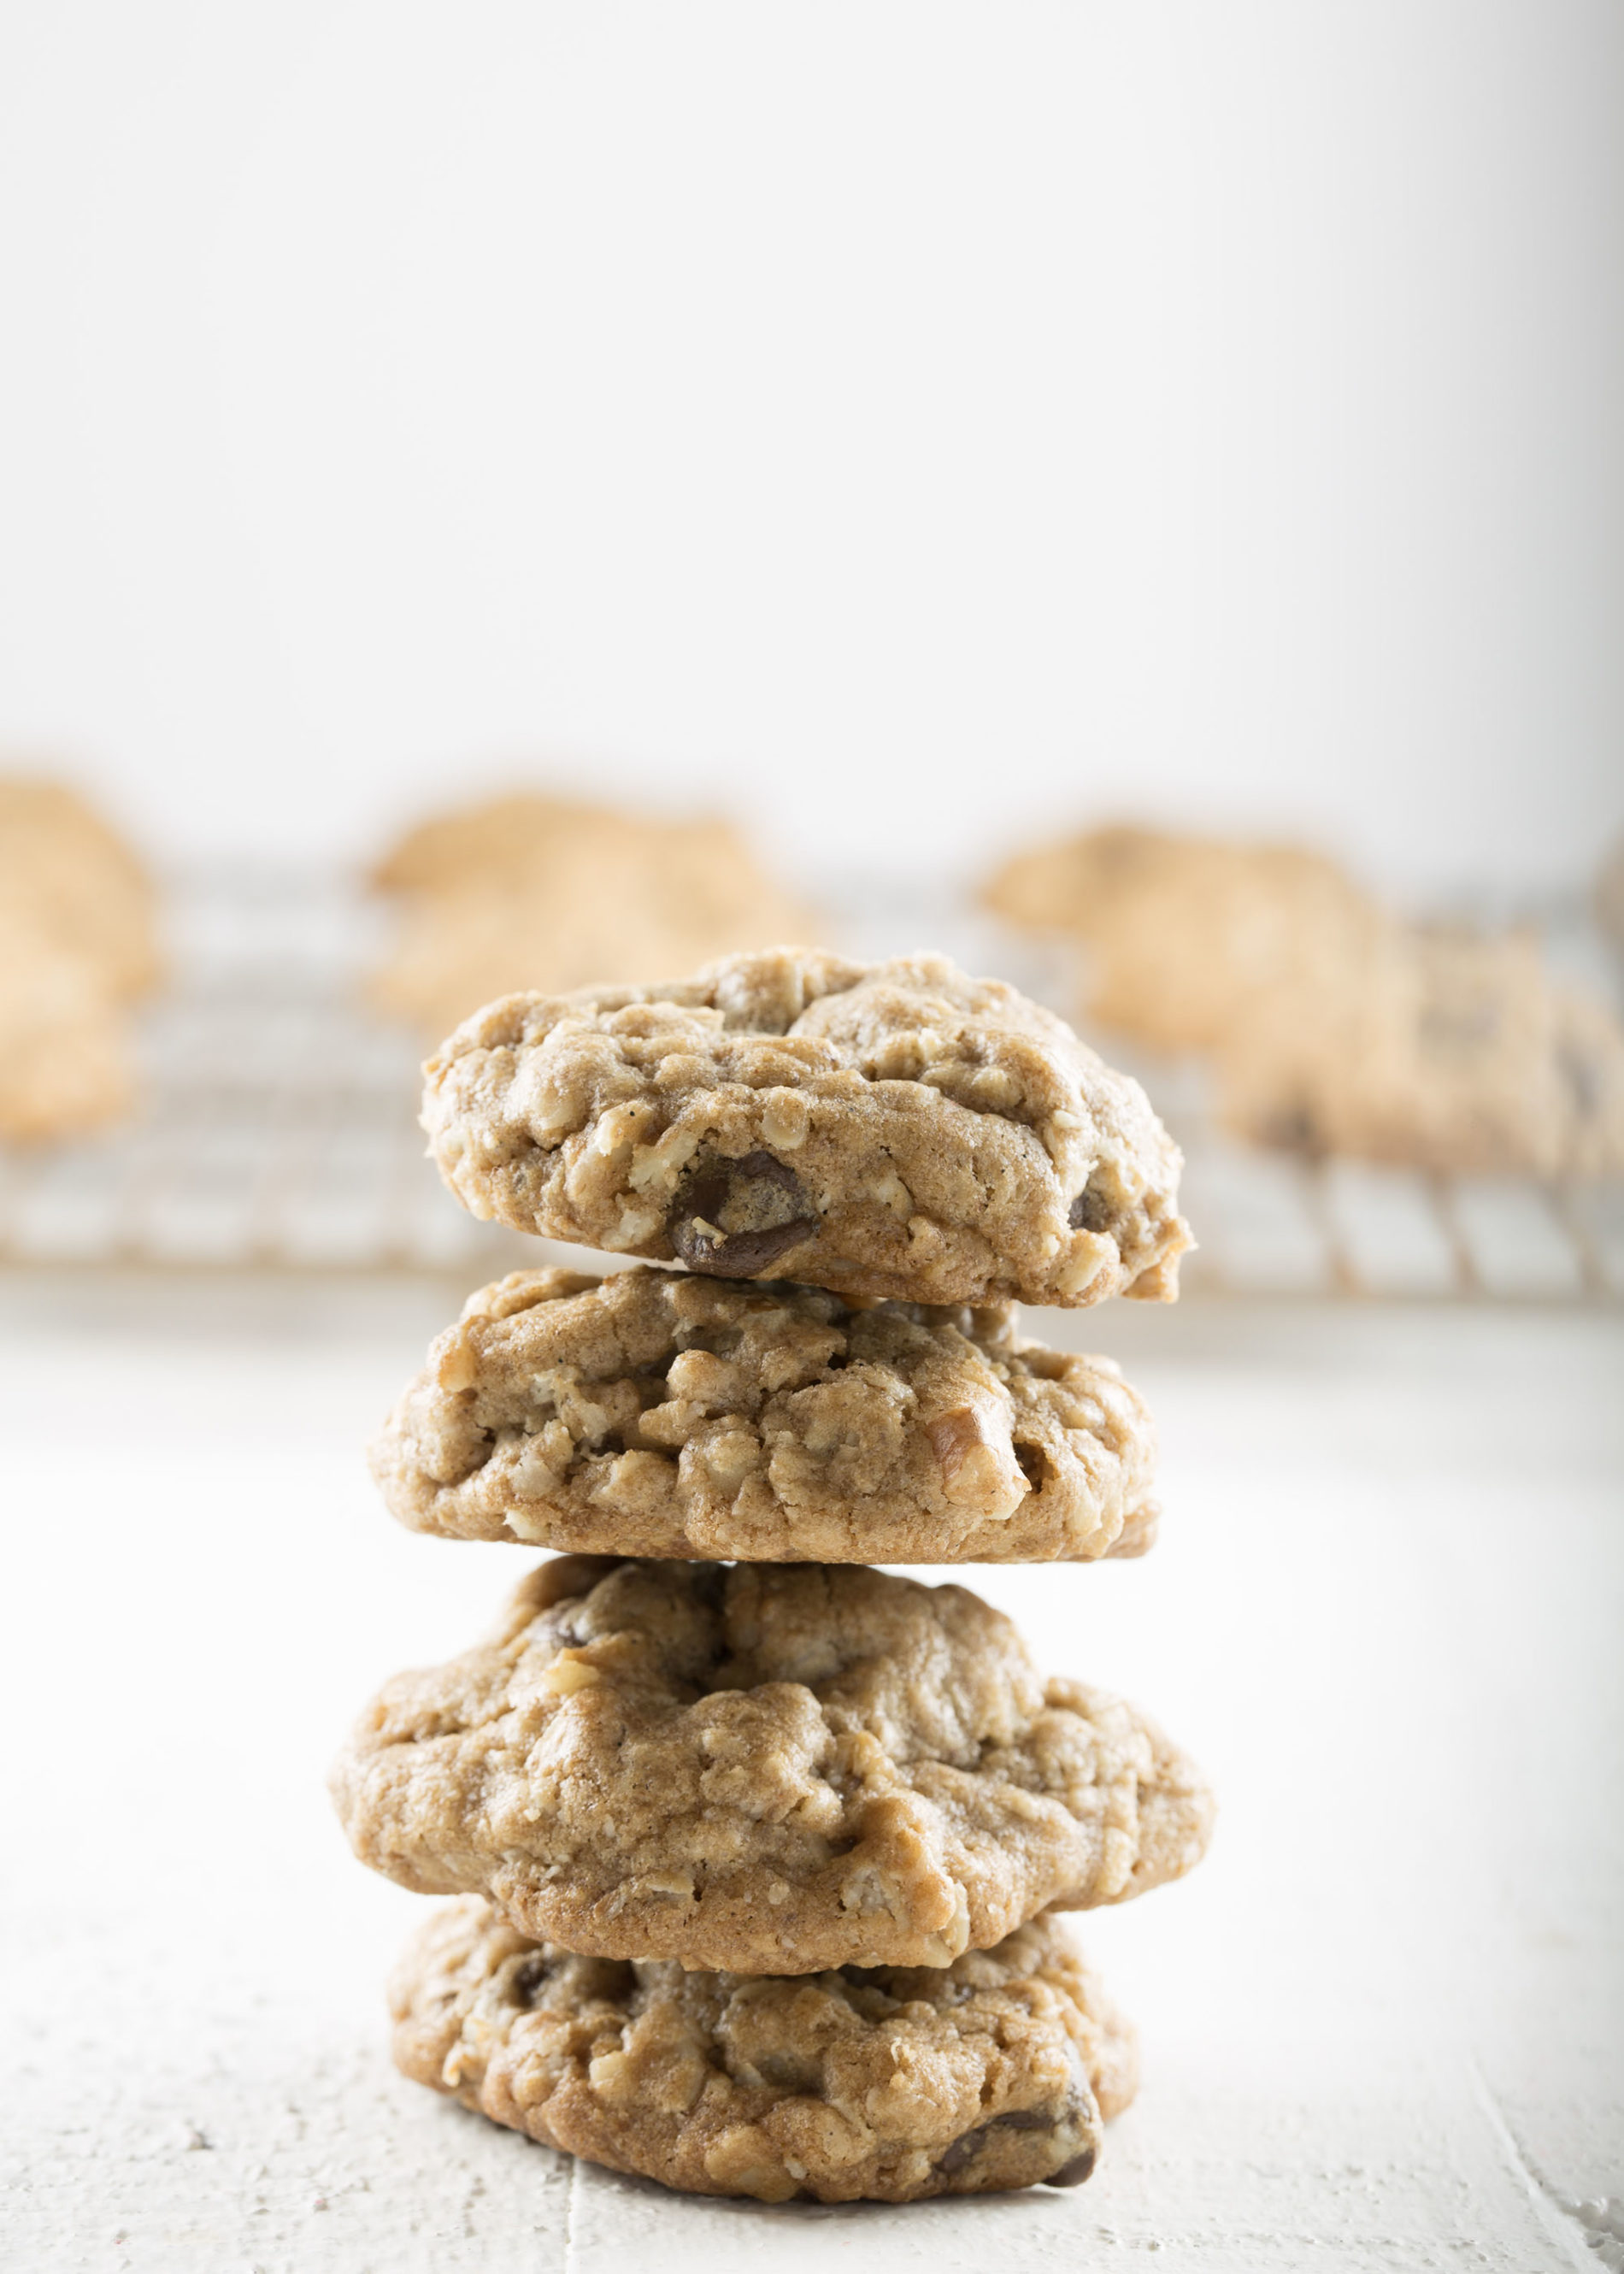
(888,1131)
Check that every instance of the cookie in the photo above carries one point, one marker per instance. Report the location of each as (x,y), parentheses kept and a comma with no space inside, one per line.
(1072,883)
(1607,894)
(65,1065)
(893,1130)
(661,1414)
(69,879)
(1445,1052)
(885,2084)
(498,837)
(1185,934)
(535,893)
(1588,1046)
(768,1768)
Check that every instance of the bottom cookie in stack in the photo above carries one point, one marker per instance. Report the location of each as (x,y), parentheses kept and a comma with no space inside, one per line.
(882,2083)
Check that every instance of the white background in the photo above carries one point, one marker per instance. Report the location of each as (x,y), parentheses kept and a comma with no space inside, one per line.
(916,422)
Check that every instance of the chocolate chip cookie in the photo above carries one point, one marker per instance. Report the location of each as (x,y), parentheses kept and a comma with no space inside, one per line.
(1184,933)
(1442,1050)
(661,1414)
(69,876)
(893,1129)
(538,892)
(887,2084)
(770,1768)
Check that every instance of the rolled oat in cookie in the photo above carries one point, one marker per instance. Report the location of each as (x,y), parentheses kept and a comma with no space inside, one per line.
(658,1412)
(886,2084)
(772,1768)
(889,1131)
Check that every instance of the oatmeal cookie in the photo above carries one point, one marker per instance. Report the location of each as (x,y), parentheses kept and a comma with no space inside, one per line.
(65,1064)
(771,1768)
(533,892)
(1607,894)
(885,2084)
(660,1413)
(1443,1052)
(891,1130)
(1185,934)
(68,877)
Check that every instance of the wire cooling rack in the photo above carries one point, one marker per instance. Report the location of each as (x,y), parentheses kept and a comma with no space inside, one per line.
(279,1134)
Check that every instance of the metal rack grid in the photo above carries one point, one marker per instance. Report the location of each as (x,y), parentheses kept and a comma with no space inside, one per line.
(278,1134)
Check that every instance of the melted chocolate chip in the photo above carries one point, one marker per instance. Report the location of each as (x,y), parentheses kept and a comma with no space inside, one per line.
(530,1979)
(739,1255)
(764,1167)
(700,1239)
(1090,1211)
(1072,2175)
(1033,1463)
(969,2144)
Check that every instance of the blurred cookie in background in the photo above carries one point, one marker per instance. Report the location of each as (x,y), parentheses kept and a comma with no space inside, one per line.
(1440,1051)
(529,891)
(78,943)
(1184,934)
(69,876)
(65,1062)
(1607,895)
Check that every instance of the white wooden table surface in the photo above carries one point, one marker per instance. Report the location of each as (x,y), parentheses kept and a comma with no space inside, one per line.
(1383,2025)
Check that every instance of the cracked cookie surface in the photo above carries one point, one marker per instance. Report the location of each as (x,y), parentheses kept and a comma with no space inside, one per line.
(887,2084)
(661,1414)
(891,1131)
(771,1768)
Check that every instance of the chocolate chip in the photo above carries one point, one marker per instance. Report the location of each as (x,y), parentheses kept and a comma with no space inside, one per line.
(1033,1464)
(954,2159)
(763,1167)
(969,2144)
(530,1979)
(1072,2175)
(738,1255)
(750,1186)
(1090,1211)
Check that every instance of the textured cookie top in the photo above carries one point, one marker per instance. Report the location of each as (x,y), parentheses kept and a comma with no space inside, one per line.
(893,1130)
(660,1413)
(774,1768)
(886,2084)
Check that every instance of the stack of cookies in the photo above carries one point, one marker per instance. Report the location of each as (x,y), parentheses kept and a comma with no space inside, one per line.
(758,1850)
